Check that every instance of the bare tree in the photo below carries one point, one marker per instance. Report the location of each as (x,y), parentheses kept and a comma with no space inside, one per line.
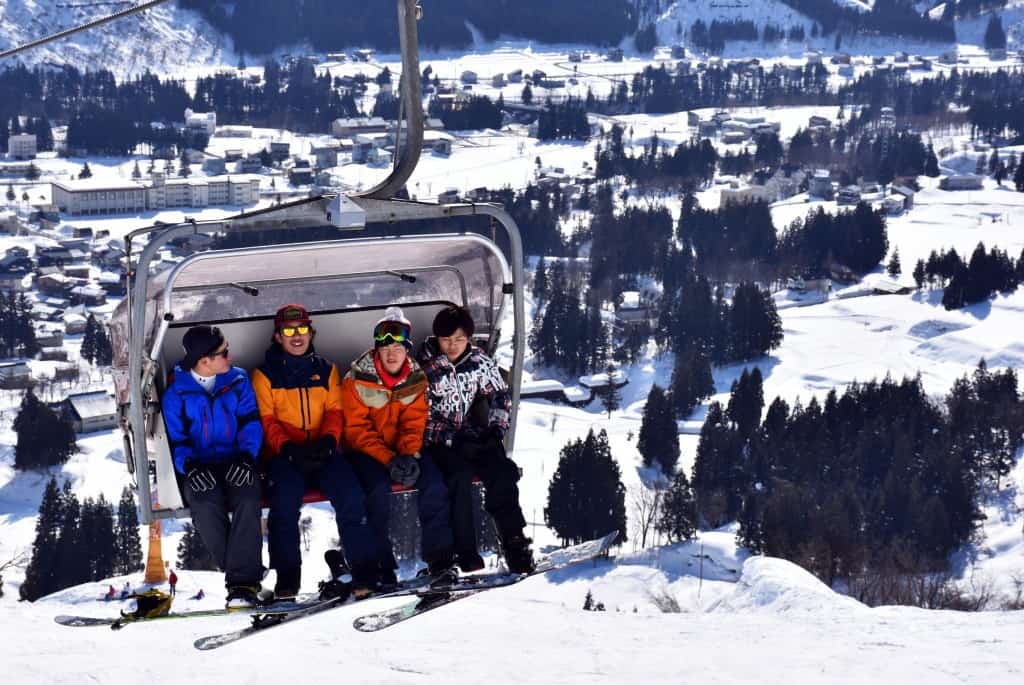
(305,527)
(19,560)
(646,510)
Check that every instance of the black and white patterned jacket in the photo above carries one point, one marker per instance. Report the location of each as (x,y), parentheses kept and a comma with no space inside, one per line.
(453,387)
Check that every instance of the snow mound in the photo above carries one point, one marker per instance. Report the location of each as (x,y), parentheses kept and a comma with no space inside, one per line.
(770,585)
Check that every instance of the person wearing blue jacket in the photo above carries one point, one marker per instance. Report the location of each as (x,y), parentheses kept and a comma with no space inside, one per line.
(213,425)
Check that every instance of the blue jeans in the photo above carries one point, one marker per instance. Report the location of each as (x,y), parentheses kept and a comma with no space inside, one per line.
(339,485)
(434,507)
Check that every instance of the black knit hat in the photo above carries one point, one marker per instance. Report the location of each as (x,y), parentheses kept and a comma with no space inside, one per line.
(199,342)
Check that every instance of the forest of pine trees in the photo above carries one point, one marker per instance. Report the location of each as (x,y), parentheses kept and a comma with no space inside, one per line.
(77,542)
(840,487)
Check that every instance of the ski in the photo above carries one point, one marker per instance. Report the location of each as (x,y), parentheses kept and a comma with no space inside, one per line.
(371,623)
(265,622)
(418,586)
(117,622)
(439,596)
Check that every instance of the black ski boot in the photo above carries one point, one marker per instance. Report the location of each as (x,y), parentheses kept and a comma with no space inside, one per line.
(288,583)
(518,555)
(441,568)
(339,586)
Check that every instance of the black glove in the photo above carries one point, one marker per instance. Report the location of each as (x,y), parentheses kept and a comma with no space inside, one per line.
(404,469)
(241,471)
(301,457)
(200,478)
(323,448)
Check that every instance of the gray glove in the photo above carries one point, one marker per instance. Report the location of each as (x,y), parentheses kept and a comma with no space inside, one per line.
(404,469)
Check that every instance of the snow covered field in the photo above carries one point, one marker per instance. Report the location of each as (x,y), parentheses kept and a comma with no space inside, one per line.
(760,619)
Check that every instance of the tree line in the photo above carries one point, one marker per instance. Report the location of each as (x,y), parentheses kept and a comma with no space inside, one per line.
(77,542)
(261,26)
(977,279)
(876,473)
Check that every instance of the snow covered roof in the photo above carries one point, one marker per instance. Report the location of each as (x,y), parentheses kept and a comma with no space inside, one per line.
(541,386)
(90,405)
(575,393)
(600,380)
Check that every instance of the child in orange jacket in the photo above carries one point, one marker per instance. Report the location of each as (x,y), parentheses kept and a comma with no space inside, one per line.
(385,408)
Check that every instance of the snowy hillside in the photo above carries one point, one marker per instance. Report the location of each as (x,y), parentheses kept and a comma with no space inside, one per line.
(163,40)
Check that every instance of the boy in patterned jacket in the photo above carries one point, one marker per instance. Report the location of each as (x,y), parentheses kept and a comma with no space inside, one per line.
(459,373)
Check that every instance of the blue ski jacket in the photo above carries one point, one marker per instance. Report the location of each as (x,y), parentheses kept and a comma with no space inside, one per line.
(211,427)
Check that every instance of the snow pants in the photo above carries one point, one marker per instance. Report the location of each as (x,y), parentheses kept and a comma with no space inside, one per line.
(338,483)
(499,476)
(434,510)
(235,542)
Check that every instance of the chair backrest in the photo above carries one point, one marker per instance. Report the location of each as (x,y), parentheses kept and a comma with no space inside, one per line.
(341,335)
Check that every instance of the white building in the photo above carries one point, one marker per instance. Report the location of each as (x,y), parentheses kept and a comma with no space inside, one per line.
(201,121)
(21,146)
(95,196)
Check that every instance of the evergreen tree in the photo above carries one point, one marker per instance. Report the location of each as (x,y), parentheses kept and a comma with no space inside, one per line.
(88,350)
(1018,178)
(192,554)
(98,540)
(40,576)
(72,553)
(104,355)
(678,520)
(86,172)
(931,164)
(746,402)
(611,398)
(993,161)
(128,546)
(995,36)
(754,323)
(10,193)
(33,172)
(718,470)
(44,439)
(540,281)
(893,267)
(919,273)
(586,495)
(692,380)
(136,172)
(658,441)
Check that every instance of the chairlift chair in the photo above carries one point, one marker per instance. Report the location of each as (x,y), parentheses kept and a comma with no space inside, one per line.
(345,281)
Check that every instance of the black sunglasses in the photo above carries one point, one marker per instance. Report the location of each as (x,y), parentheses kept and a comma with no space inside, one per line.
(223,353)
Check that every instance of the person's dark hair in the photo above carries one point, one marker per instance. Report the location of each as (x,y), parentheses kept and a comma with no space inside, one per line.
(452,318)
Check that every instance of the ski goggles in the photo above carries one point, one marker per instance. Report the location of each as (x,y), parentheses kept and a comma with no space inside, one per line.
(289,331)
(387,332)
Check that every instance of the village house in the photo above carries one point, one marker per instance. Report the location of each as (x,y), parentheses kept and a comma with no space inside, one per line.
(21,146)
(15,375)
(91,411)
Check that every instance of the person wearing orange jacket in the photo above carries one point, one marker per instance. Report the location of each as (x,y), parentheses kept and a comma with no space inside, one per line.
(299,398)
(385,407)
